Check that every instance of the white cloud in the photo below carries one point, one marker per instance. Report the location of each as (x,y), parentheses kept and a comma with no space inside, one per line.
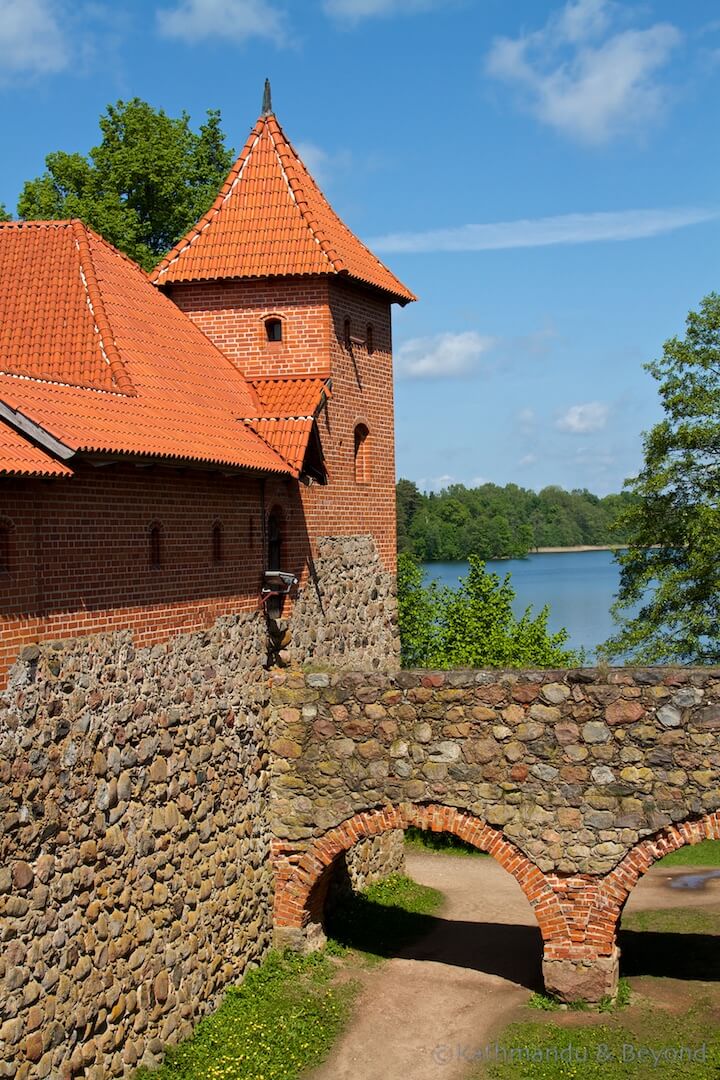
(31,39)
(527,459)
(435,483)
(543,232)
(354,10)
(443,355)
(580,419)
(583,79)
(323,165)
(233,20)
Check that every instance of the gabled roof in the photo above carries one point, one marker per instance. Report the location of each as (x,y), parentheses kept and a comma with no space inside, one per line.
(98,361)
(286,420)
(271,219)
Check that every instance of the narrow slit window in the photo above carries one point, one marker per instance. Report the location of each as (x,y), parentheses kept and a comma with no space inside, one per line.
(4,549)
(155,547)
(217,543)
(362,450)
(346,334)
(274,329)
(369,340)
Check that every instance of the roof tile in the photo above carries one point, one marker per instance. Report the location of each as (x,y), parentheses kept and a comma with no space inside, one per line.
(18,457)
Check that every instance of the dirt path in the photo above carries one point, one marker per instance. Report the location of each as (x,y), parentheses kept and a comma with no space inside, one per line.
(451,988)
(462,983)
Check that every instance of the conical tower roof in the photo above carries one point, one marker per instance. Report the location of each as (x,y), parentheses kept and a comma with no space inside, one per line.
(271,220)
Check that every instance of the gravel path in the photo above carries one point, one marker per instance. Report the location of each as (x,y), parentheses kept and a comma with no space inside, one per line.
(419,1014)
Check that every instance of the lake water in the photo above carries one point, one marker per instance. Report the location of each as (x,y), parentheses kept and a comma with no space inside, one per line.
(579,587)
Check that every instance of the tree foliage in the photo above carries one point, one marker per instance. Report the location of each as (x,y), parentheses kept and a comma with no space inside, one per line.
(473,625)
(4,216)
(501,522)
(671,568)
(148,180)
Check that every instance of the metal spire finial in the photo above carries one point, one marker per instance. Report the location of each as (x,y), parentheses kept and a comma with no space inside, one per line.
(267,100)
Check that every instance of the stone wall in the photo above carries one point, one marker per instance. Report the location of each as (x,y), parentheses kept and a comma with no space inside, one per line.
(372,858)
(346,613)
(134,879)
(574,767)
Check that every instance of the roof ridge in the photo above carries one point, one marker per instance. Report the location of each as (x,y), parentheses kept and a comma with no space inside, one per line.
(222,196)
(37,222)
(93,295)
(300,198)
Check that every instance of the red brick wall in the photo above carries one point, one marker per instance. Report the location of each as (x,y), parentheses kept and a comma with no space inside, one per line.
(79,552)
(362,394)
(314,311)
(233,315)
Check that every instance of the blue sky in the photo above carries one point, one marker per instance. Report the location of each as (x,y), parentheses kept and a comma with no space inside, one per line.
(543,175)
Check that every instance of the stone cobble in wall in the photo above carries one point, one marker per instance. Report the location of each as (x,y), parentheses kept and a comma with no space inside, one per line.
(346,615)
(134,879)
(574,767)
(372,858)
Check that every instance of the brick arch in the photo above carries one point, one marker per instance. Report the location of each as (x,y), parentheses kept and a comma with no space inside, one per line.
(612,891)
(297,878)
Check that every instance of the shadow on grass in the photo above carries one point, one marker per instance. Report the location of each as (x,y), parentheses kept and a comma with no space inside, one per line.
(670,956)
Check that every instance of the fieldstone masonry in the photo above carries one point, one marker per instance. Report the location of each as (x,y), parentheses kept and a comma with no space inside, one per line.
(135,882)
(346,614)
(163,811)
(575,780)
(135,877)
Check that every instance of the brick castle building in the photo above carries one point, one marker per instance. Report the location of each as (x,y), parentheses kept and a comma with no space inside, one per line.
(165,442)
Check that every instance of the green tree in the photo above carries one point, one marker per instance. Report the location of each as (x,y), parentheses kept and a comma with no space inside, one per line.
(671,567)
(150,178)
(408,501)
(416,612)
(4,216)
(473,625)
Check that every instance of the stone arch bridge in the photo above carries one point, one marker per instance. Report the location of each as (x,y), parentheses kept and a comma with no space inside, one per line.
(575,781)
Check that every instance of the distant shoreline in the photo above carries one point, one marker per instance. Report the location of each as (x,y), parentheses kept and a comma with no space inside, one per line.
(577,547)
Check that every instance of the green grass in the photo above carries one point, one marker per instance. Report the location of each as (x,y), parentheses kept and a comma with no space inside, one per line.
(444,842)
(387,916)
(706,853)
(608,1051)
(677,920)
(286,1015)
(282,1019)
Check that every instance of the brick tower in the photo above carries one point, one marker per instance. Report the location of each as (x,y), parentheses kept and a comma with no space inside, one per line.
(303,309)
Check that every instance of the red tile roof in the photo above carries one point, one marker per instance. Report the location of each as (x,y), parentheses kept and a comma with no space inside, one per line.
(55,328)
(288,437)
(271,219)
(286,417)
(139,379)
(18,457)
(289,396)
